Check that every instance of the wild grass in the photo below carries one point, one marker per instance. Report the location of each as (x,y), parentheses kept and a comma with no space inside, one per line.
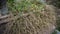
(30,17)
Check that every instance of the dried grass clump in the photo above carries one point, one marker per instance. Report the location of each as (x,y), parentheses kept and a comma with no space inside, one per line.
(38,22)
(31,19)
